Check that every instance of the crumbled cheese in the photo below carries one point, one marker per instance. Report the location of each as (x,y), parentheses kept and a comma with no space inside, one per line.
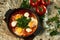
(26,14)
(33,22)
(32,19)
(28,30)
(13,24)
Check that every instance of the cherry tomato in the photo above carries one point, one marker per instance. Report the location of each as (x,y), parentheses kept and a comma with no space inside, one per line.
(45,2)
(41,10)
(34,3)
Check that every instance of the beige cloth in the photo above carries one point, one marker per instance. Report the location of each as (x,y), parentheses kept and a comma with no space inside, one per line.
(5,34)
(5,5)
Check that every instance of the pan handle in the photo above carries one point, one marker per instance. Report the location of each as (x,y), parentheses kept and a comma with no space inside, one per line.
(29,37)
(7,15)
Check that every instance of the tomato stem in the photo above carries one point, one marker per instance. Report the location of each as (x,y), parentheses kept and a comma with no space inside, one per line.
(34,0)
(45,0)
(40,9)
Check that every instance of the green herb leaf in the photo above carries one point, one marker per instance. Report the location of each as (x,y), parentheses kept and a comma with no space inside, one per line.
(23,22)
(59,11)
(53,19)
(58,24)
(25,4)
(40,8)
(56,7)
(54,32)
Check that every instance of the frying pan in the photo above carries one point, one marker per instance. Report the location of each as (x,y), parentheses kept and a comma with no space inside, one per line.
(39,30)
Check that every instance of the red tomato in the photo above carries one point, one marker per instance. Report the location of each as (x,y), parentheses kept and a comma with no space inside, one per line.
(41,10)
(34,3)
(45,2)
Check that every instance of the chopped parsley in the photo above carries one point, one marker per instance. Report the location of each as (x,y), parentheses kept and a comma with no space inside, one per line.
(56,7)
(59,11)
(54,32)
(25,4)
(58,24)
(53,19)
(23,22)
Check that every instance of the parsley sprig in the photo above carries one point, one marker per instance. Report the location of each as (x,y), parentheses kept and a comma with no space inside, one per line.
(23,22)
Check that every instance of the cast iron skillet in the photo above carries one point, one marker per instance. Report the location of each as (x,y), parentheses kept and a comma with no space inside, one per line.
(39,30)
